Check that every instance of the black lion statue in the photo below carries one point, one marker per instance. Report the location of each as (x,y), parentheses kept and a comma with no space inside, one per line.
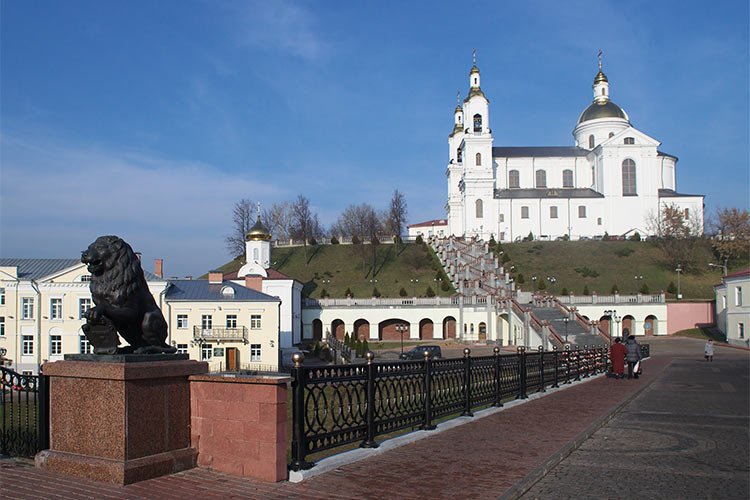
(122,301)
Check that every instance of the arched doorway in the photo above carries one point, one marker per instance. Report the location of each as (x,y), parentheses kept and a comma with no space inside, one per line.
(482,331)
(649,325)
(337,329)
(426,329)
(361,329)
(392,329)
(627,322)
(449,327)
(317,327)
(605,322)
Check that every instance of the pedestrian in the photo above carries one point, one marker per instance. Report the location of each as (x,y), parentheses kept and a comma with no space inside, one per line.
(708,350)
(634,354)
(617,357)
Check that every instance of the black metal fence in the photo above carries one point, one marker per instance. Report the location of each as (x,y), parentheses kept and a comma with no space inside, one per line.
(335,405)
(24,413)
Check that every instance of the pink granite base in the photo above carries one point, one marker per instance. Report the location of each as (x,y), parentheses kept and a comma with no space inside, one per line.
(119,422)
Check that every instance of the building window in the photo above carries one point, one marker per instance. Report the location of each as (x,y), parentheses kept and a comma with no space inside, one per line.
(83,306)
(85,345)
(738,296)
(182,348)
(207,351)
(502,236)
(629,140)
(741,330)
(628,178)
(553,212)
(2,296)
(231,321)
(501,217)
(207,322)
(567,178)
(479,210)
(477,123)
(591,142)
(582,212)
(459,155)
(2,326)
(514,179)
(85,277)
(611,134)
(687,213)
(254,352)
(541,179)
(182,321)
(255,321)
(55,309)
(27,308)
(599,221)
(28,344)
(524,212)
(55,345)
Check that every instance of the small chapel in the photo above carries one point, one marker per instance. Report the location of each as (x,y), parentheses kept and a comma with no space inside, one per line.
(614,179)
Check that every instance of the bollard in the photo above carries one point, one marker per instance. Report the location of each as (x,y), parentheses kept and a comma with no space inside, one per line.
(298,415)
(467,384)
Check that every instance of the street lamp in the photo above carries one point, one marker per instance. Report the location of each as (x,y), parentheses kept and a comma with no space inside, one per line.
(414,282)
(401,329)
(679,270)
(565,320)
(612,313)
(552,280)
(638,279)
(722,266)
(533,279)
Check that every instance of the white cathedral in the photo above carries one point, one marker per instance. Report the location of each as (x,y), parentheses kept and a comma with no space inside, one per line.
(613,180)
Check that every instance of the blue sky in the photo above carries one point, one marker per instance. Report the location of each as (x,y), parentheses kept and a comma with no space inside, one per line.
(150,119)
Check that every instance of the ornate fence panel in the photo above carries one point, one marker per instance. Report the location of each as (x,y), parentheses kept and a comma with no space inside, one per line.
(24,413)
(337,405)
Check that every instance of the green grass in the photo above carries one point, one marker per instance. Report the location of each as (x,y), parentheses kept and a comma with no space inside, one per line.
(699,333)
(602,264)
(342,265)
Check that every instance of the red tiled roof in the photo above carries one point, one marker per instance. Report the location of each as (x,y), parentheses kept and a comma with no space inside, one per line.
(739,274)
(273,274)
(435,222)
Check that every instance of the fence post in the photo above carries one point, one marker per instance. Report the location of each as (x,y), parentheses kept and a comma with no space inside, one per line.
(370,441)
(578,362)
(555,353)
(43,415)
(467,384)
(428,425)
(299,447)
(566,357)
(541,369)
(498,389)
(522,372)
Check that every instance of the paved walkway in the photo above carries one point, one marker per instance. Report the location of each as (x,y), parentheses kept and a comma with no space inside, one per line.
(500,454)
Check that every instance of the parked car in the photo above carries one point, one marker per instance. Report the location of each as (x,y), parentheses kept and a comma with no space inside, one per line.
(418,352)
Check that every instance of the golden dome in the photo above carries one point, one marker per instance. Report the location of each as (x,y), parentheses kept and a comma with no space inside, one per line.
(474,69)
(600,77)
(606,109)
(258,232)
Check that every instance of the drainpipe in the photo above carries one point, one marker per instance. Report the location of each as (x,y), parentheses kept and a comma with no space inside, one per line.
(169,310)
(35,286)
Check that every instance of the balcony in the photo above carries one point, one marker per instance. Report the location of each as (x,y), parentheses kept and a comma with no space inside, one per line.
(238,333)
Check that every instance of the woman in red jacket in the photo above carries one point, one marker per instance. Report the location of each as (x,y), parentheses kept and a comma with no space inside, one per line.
(617,357)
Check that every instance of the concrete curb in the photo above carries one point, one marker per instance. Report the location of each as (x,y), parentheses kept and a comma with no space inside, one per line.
(534,476)
(332,462)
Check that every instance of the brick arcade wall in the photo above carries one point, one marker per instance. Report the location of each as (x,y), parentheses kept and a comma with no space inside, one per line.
(239,424)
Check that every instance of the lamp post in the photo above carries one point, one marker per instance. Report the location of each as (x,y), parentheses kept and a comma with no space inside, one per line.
(679,270)
(552,280)
(722,266)
(638,279)
(401,329)
(612,313)
(533,279)
(566,320)
(414,282)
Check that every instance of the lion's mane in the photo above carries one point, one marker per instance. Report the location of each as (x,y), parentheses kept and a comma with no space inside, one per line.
(122,276)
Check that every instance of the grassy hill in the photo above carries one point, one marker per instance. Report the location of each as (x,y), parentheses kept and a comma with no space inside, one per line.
(576,264)
(343,266)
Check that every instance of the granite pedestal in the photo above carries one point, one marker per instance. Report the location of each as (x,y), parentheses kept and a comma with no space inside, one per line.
(120,422)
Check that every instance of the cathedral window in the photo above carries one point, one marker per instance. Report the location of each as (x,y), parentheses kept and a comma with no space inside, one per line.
(592,142)
(477,123)
(541,179)
(629,140)
(479,160)
(502,218)
(553,212)
(582,212)
(514,179)
(479,209)
(524,212)
(459,155)
(628,178)
(567,178)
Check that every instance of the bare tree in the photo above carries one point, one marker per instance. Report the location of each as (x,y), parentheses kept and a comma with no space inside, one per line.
(732,238)
(396,218)
(362,223)
(677,232)
(278,219)
(303,221)
(242,221)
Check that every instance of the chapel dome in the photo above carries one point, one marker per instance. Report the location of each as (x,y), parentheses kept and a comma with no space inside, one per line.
(258,232)
(606,109)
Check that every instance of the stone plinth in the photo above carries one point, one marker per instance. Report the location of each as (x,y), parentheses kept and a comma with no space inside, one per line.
(239,424)
(119,422)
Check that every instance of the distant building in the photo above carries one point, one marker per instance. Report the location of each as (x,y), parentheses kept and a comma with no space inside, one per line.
(436,227)
(733,307)
(613,180)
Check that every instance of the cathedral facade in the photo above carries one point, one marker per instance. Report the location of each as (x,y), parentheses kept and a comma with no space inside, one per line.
(613,180)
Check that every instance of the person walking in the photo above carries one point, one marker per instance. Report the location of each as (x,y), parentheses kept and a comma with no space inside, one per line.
(633,352)
(708,350)
(617,356)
